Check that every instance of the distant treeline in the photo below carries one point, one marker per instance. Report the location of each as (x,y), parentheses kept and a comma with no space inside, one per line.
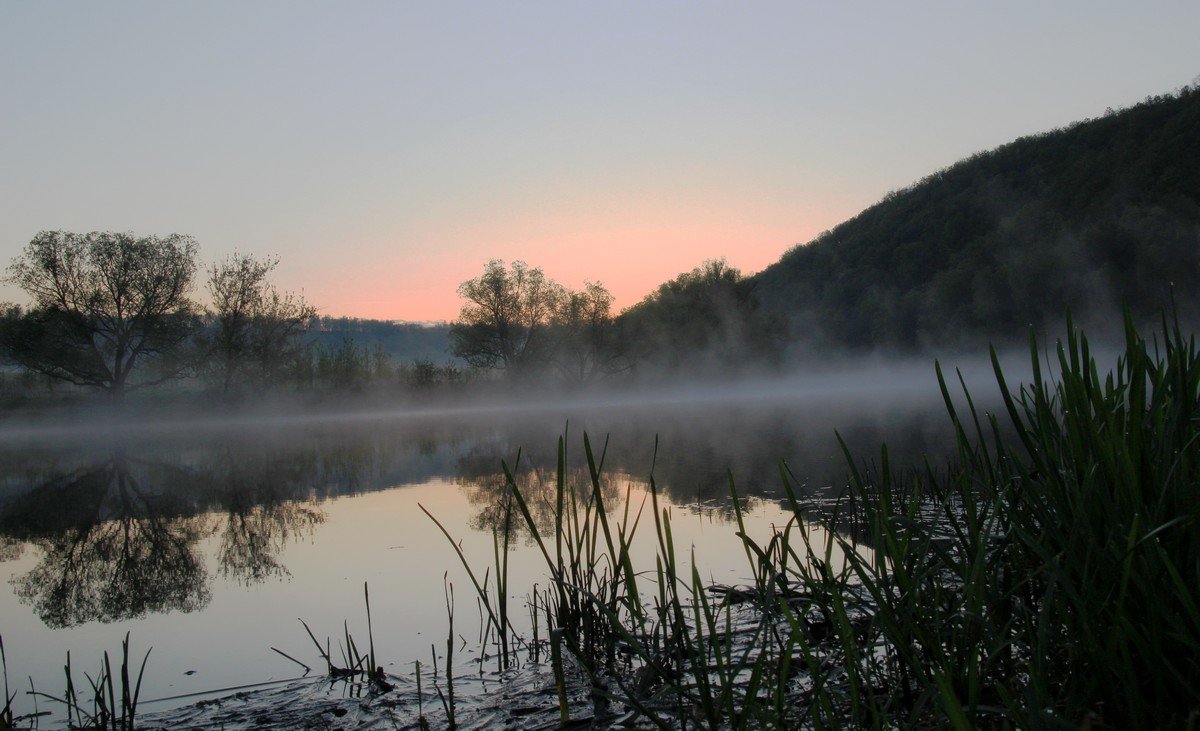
(518,322)
(401,341)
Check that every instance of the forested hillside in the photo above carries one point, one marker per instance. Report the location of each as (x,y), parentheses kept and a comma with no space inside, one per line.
(1085,218)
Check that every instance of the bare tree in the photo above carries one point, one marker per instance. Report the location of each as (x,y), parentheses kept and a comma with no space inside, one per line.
(103,304)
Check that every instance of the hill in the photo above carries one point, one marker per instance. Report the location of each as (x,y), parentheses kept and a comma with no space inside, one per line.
(1084,218)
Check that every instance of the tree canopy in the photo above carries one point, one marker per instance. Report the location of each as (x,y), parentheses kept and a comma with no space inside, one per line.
(504,317)
(516,320)
(104,305)
(708,317)
(254,325)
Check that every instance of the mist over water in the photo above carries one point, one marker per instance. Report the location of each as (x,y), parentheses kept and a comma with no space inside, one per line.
(206,532)
(850,386)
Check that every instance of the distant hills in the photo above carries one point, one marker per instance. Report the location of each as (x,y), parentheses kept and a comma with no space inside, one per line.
(1084,218)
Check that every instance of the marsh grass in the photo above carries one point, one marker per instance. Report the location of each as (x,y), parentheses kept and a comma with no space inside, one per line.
(1048,577)
(7,719)
(111,702)
(355,666)
(1053,582)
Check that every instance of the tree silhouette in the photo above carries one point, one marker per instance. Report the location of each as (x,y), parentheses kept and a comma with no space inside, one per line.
(503,322)
(709,316)
(253,323)
(586,345)
(103,304)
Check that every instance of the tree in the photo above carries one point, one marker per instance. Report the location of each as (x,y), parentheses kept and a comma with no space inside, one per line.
(236,286)
(281,318)
(103,305)
(586,346)
(705,318)
(252,321)
(503,323)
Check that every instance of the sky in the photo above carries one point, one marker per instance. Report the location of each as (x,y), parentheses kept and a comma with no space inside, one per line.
(385,151)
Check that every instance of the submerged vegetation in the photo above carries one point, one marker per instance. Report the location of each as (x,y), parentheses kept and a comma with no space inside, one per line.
(1049,576)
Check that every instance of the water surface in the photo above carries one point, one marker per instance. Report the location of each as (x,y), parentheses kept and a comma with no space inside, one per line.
(208,540)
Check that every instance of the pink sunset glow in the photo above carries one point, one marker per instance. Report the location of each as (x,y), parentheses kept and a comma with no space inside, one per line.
(384,153)
(630,248)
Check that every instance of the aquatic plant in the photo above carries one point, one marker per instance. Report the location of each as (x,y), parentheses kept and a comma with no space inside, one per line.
(107,711)
(1048,576)
(355,665)
(6,713)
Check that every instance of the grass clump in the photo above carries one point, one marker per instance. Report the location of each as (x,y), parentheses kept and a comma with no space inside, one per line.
(355,666)
(1049,578)
(109,704)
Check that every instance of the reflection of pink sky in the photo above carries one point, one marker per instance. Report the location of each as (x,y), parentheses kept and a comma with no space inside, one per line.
(630,257)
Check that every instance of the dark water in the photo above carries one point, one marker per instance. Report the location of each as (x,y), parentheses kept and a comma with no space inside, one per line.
(208,541)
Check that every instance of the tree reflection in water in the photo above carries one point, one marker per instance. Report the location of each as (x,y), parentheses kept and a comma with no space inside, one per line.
(703,451)
(122,538)
(486,488)
(111,550)
(261,516)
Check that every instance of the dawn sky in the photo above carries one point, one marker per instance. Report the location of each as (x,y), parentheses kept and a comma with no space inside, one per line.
(386,151)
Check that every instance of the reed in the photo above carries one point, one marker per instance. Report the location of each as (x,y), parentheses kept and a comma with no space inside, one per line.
(6,713)
(497,607)
(1049,575)
(109,710)
(422,722)
(450,704)
(355,665)
(1051,581)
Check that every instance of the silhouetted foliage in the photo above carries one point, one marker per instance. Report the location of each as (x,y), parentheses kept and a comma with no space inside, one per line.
(504,319)
(708,317)
(104,304)
(1083,218)
(350,366)
(423,374)
(255,329)
(585,343)
(278,350)
(518,321)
